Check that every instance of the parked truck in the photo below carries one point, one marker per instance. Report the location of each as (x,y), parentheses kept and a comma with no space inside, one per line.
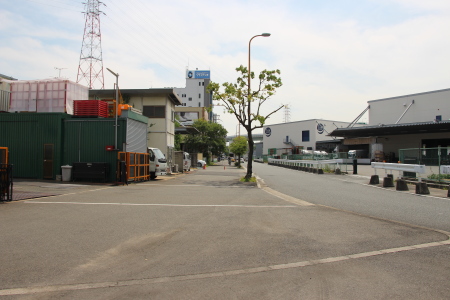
(158,163)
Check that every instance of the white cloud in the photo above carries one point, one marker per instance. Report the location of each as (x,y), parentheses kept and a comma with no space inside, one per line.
(333,58)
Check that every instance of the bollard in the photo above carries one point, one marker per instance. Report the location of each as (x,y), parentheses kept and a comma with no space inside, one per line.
(388,182)
(422,188)
(355,166)
(401,185)
(374,179)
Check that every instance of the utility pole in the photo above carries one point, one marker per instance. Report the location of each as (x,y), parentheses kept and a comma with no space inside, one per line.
(90,68)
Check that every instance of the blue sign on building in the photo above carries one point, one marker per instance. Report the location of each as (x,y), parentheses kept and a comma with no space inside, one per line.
(199,74)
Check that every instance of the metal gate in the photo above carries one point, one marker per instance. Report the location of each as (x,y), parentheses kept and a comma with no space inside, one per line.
(137,167)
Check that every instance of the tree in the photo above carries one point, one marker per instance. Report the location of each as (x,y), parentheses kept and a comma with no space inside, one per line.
(210,139)
(238,99)
(239,147)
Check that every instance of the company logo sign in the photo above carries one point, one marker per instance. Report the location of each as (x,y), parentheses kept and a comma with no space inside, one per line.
(320,128)
(268,131)
(199,74)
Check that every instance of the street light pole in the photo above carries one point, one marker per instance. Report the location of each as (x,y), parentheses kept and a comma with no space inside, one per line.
(249,72)
(117,106)
(249,136)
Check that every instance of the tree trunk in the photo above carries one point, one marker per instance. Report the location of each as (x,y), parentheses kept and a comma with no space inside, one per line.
(250,155)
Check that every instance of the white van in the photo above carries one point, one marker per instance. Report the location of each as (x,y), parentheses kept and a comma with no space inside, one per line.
(158,163)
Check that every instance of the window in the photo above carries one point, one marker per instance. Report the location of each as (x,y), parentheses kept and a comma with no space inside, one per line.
(154,111)
(199,84)
(199,104)
(190,98)
(200,96)
(203,83)
(305,135)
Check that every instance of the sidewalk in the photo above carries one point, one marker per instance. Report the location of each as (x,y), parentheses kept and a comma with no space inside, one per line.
(366,171)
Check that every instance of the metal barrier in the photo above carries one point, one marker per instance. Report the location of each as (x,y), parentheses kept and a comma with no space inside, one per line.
(137,166)
(420,169)
(6,183)
(314,166)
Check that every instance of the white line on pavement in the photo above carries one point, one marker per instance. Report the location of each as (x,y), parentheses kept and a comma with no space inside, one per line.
(161,204)
(147,281)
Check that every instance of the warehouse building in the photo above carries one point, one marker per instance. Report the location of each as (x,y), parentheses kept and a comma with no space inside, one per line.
(412,121)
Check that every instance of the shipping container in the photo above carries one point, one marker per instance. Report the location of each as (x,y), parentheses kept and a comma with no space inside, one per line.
(34,142)
(40,143)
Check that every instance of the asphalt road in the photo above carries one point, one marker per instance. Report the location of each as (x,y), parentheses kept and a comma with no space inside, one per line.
(206,236)
(353,193)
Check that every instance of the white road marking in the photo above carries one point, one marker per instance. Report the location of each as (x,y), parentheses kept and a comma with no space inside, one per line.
(197,185)
(162,204)
(147,281)
(264,187)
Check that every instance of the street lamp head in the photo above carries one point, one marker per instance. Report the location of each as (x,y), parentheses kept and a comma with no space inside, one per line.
(115,74)
(265,34)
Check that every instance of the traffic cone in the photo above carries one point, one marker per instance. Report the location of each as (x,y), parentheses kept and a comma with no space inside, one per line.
(204,167)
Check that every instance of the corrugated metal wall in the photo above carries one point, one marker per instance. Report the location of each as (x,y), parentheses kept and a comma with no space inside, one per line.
(68,139)
(25,134)
(136,136)
(86,140)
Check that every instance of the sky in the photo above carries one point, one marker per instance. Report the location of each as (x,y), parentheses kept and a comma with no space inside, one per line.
(334,55)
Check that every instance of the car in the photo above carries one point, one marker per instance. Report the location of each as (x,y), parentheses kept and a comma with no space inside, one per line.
(201,163)
(242,160)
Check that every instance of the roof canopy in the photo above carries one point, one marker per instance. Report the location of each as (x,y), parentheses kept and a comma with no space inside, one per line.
(169,92)
(393,129)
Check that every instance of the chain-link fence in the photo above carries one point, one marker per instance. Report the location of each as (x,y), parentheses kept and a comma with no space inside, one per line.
(436,160)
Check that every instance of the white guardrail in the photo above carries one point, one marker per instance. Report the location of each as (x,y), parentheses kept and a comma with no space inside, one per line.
(301,163)
(420,169)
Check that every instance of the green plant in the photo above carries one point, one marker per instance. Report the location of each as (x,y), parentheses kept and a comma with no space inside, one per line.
(251,179)
(439,176)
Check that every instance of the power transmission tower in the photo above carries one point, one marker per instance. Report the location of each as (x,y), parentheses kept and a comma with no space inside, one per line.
(90,68)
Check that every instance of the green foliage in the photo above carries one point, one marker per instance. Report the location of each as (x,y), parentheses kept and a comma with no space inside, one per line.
(237,98)
(210,139)
(239,146)
(251,179)
(178,139)
(439,176)
(245,103)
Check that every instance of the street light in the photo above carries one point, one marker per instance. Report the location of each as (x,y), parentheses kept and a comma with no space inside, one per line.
(117,105)
(264,35)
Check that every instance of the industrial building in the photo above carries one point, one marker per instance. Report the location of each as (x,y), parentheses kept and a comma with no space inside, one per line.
(292,137)
(158,105)
(419,120)
(194,97)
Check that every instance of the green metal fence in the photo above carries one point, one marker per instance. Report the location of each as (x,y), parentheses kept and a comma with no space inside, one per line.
(435,160)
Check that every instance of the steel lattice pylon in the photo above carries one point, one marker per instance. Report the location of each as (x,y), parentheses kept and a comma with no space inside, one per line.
(90,68)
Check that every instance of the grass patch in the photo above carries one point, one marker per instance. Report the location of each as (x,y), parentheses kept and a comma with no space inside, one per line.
(252,179)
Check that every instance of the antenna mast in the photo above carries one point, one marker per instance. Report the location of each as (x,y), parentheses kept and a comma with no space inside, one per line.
(287,113)
(90,68)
